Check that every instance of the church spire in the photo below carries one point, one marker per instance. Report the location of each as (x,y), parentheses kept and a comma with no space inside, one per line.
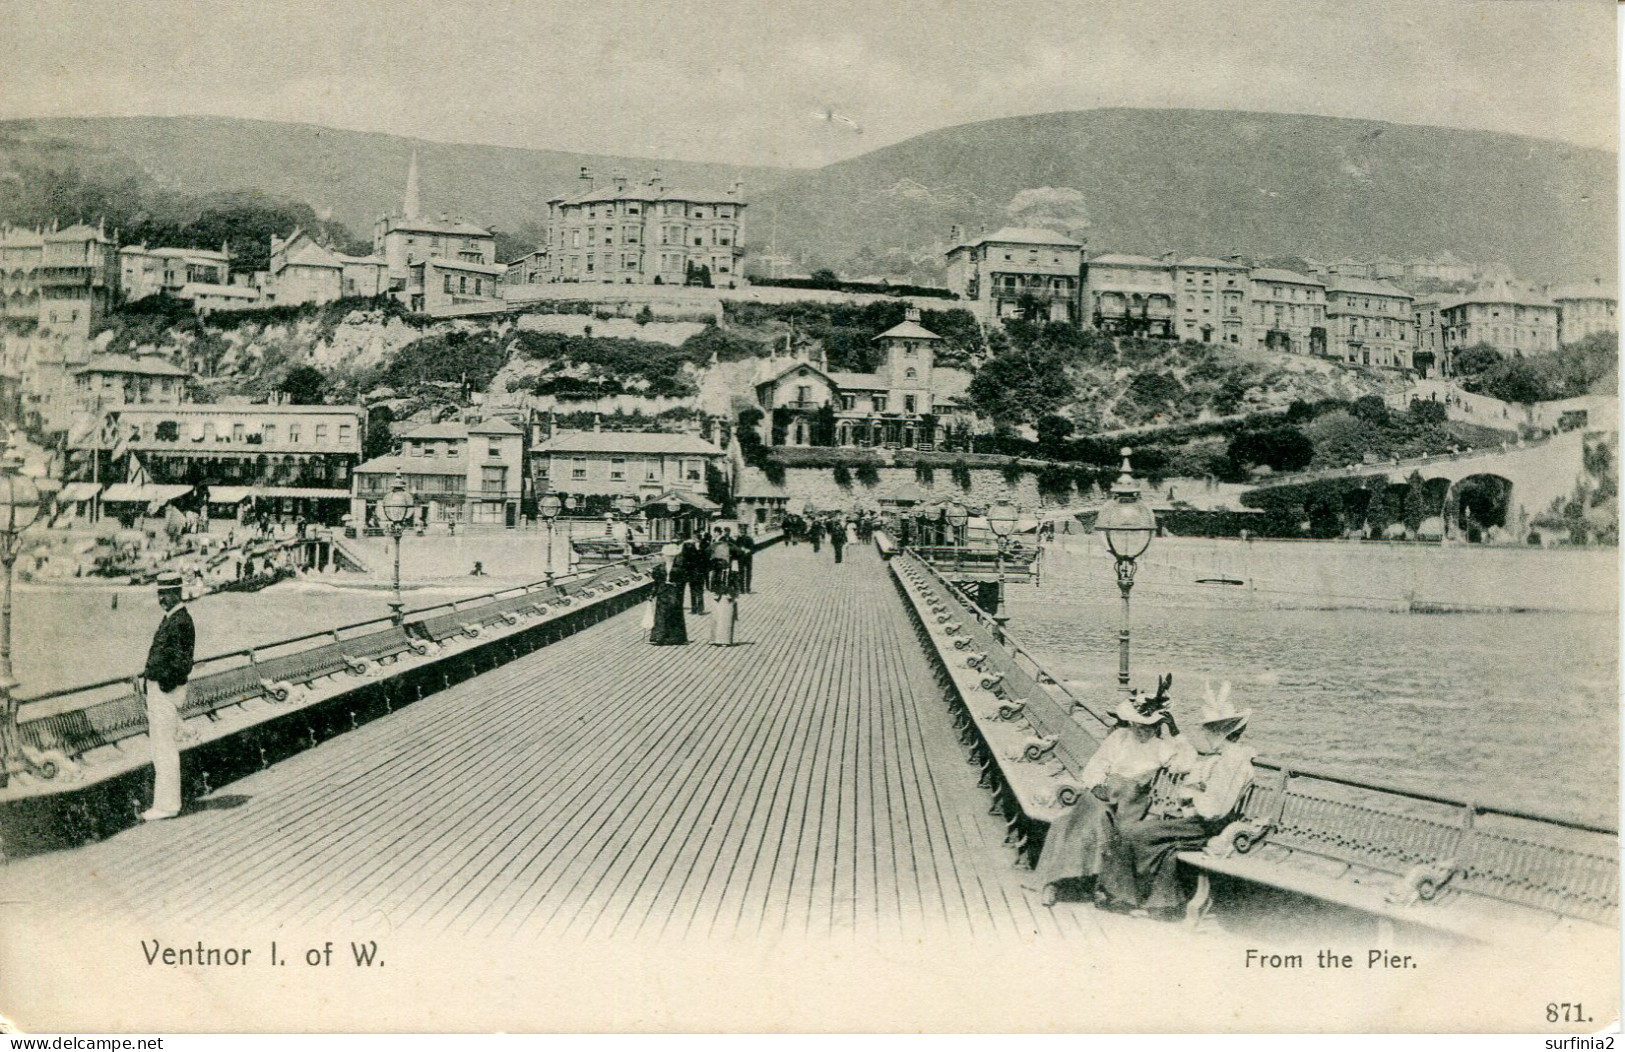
(411,207)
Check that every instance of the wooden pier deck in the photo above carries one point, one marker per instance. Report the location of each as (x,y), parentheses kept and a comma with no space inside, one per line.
(806,782)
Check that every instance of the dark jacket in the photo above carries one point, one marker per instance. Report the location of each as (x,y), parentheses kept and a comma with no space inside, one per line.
(169,660)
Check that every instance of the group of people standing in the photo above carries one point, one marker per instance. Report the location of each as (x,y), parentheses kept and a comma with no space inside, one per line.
(719,562)
(1149,793)
(836,530)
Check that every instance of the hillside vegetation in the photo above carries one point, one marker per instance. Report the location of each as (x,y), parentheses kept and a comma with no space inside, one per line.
(1216,182)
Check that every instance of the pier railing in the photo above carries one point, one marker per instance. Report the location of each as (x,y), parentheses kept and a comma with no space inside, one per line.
(1399,854)
(73,737)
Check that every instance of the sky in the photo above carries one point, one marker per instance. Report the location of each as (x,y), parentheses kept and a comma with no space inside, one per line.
(801,83)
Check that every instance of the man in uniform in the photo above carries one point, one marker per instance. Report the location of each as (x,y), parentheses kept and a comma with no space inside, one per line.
(163,684)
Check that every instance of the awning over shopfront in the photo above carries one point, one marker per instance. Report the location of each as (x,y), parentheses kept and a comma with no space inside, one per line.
(691,501)
(136,493)
(238,494)
(79,491)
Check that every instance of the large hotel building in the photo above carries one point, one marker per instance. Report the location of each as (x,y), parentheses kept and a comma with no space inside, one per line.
(646,234)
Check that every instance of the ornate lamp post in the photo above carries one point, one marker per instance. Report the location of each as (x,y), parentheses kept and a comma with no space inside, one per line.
(397,508)
(549,507)
(19,506)
(1001,519)
(1128,525)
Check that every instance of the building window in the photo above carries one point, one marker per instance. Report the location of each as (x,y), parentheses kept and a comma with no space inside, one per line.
(448,288)
(908,403)
(346,431)
(237,431)
(849,402)
(321,434)
(617,469)
(912,373)
(429,451)
(494,480)
(879,402)
(268,434)
(293,433)
(578,468)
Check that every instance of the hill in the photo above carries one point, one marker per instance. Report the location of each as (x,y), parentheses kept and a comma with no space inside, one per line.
(1150,181)
(1218,182)
(349,177)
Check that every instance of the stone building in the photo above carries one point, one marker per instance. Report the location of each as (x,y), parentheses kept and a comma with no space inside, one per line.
(646,234)
(995,273)
(78,279)
(1210,300)
(1584,308)
(909,402)
(1429,358)
(150,271)
(1129,295)
(1369,322)
(1288,311)
(1505,315)
(471,472)
(410,237)
(20,254)
(643,464)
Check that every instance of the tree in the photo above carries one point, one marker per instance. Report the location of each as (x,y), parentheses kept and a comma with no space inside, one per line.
(1471,361)
(380,440)
(1279,448)
(1415,507)
(1385,509)
(1370,408)
(1427,411)
(1022,384)
(304,385)
(825,278)
(1053,431)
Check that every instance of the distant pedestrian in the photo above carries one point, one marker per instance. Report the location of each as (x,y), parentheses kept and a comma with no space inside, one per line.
(666,627)
(725,610)
(721,564)
(688,570)
(163,685)
(837,538)
(746,557)
(815,533)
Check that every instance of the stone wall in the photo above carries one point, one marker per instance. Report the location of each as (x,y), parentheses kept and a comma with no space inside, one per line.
(817,487)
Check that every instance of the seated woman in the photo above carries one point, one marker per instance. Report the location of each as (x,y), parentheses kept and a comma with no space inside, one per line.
(667,628)
(1117,778)
(1206,778)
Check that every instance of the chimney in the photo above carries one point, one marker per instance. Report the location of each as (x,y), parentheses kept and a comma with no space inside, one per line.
(912,313)
(586,176)
(654,180)
(738,188)
(956,235)
(618,176)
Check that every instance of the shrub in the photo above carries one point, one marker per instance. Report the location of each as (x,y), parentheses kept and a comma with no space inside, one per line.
(1012,472)
(644,316)
(843,476)
(924,473)
(961,474)
(1428,412)
(868,474)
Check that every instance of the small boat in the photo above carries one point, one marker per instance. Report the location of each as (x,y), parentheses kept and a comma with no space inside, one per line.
(1219,580)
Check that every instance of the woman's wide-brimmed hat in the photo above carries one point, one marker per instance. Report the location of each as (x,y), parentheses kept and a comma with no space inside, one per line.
(1128,712)
(1220,714)
(168,581)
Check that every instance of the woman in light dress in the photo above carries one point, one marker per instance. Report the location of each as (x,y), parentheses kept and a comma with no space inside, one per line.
(1116,783)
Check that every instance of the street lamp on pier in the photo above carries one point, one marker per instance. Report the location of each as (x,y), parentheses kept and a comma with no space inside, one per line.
(1128,525)
(19,506)
(957,517)
(397,508)
(1001,519)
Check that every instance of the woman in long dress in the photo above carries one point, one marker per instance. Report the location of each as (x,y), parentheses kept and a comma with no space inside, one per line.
(725,610)
(1116,781)
(1207,776)
(669,628)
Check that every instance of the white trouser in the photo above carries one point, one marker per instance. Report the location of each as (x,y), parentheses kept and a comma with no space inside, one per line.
(163,728)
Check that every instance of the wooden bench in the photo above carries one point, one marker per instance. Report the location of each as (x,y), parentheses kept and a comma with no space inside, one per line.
(1404,857)
(1029,737)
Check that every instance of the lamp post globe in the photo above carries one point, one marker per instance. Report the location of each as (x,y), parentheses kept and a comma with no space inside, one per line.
(1127,523)
(19,507)
(549,506)
(1001,519)
(626,504)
